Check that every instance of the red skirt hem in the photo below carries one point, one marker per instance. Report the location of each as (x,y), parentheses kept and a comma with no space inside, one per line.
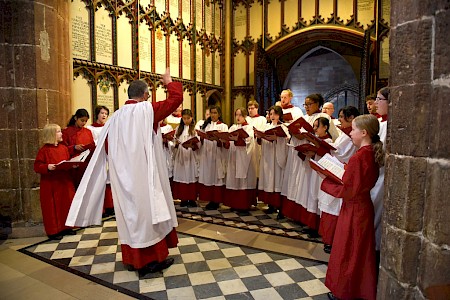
(312,220)
(290,209)
(240,199)
(184,191)
(270,198)
(327,227)
(108,198)
(140,257)
(211,193)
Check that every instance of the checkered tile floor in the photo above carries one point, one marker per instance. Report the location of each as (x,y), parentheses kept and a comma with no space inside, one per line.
(203,268)
(255,220)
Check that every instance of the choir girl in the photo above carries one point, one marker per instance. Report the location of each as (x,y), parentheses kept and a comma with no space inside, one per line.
(377,193)
(272,163)
(297,175)
(241,166)
(78,138)
(213,157)
(351,270)
(186,160)
(168,147)
(321,128)
(101,115)
(330,206)
(56,187)
(200,122)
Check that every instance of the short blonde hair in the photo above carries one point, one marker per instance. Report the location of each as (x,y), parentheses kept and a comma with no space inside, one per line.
(252,102)
(289,92)
(49,133)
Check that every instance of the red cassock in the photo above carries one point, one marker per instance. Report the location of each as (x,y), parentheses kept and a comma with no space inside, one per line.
(351,269)
(139,257)
(73,136)
(57,190)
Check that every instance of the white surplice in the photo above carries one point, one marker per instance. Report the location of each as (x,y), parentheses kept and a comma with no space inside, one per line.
(143,202)
(186,161)
(273,161)
(242,163)
(344,150)
(377,192)
(212,167)
(295,111)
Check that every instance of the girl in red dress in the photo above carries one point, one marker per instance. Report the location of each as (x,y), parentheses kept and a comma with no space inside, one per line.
(351,269)
(77,138)
(57,190)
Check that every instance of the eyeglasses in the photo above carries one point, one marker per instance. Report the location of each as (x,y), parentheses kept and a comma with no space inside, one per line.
(308,104)
(379,99)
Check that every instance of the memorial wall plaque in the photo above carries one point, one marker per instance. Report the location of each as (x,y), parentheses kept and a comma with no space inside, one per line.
(384,59)
(103,37)
(256,17)
(208,66)
(240,23)
(160,51)
(208,18)
(123,93)
(145,48)
(199,63)
(105,93)
(199,14)
(186,59)
(216,20)
(124,42)
(216,68)
(161,6)
(174,55)
(365,12)
(80,30)
(186,13)
(173,9)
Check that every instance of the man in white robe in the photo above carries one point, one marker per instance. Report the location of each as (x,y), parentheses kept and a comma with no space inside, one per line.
(145,213)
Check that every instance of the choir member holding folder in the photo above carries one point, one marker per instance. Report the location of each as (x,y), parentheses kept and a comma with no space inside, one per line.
(351,270)
(242,164)
(290,112)
(297,176)
(56,187)
(213,156)
(329,205)
(273,159)
(78,138)
(186,161)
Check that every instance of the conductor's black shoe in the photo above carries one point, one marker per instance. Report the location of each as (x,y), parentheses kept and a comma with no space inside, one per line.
(166,263)
(69,232)
(327,248)
(55,237)
(212,205)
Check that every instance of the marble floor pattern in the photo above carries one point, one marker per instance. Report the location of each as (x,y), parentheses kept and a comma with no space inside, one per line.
(211,262)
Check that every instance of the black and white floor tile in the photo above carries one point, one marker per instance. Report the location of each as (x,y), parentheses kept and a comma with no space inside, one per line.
(203,268)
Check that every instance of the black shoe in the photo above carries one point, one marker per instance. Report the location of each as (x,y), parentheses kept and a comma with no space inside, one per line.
(154,267)
(129,267)
(212,205)
(55,237)
(69,232)
(327,248)
(184,203)
(280,216)
(331,296)
(270,210)
(110,212)
(313,234)
(191,203)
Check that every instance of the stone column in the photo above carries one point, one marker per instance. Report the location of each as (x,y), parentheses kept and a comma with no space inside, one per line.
(415,253)
(35,82)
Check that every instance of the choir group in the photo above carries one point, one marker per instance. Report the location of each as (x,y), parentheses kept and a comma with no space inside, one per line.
(258,158)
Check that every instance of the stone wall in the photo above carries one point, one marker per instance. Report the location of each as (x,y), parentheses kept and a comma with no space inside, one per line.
(35,74)
(416,235)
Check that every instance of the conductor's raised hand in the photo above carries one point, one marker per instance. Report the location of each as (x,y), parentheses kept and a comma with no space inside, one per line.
(166,78)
